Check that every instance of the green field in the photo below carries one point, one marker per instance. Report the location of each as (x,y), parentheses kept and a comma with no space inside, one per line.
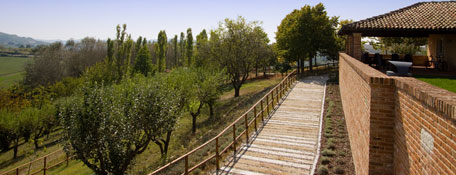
(442,82)
(11,70)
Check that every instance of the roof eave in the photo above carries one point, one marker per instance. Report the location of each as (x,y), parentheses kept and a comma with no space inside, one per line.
(369,32)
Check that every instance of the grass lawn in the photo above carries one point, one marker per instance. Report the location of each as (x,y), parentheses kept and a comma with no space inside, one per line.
(442,82)
(11,70)
(227,110)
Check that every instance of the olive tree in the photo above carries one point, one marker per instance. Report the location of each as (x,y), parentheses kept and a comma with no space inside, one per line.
(107,126)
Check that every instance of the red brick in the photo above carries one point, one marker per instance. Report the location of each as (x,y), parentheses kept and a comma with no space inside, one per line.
(399,108)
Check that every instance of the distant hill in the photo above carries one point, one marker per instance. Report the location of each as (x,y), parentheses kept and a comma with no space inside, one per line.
(9,40)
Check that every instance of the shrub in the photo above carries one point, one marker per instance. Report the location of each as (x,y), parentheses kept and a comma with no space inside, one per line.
(340,162)
(339,170)
(330,143)
(325,160)
(327,152)
(341,153)
(322,170)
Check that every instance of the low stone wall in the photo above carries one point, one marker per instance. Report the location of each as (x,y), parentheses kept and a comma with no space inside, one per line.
(397,125)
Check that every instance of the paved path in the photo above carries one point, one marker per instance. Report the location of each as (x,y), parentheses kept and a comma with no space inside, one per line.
(288,143)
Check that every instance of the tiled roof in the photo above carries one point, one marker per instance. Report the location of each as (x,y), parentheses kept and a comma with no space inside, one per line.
(424,17)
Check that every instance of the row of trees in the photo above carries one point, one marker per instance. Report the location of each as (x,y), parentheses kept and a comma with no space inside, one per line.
(30,124)
(141,106)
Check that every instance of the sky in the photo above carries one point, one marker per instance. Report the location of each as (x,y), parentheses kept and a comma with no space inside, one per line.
(76,19)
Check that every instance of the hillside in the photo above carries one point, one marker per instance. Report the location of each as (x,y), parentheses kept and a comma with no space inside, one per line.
(9,40)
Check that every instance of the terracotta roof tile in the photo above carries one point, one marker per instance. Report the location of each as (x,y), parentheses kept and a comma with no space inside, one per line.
(423,16)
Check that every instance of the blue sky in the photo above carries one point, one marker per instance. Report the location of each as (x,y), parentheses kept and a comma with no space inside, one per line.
(65,19)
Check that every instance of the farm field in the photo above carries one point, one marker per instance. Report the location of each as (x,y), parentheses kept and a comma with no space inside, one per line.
(11,70)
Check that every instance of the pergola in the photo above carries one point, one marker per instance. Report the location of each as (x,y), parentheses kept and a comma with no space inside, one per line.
(435,20)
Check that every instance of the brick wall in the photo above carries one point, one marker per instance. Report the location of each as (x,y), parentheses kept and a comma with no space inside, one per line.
(356,114)
(397,125)
(369,115)
(425,129)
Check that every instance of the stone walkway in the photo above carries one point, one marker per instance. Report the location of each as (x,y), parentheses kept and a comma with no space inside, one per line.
(289,141)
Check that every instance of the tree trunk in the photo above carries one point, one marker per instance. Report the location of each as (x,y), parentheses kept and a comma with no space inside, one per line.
(35,141)
(256,71)
(236,91)
(160,145)
(168,138)
(316,65)
(299,66)
(211,110)
(16,145)
(194,123)
(194,116)
(310,64)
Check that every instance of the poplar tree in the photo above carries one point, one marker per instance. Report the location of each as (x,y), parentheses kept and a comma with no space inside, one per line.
(189,47)
(202,48)
(143,63)
(160,51)
(176,58)
(182,49)
(123,49)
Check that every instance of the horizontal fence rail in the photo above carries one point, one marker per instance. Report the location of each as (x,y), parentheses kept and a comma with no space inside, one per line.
(42,164)
(261,109)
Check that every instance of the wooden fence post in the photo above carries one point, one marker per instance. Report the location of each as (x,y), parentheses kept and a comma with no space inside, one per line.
(277,97)
(272,98)
(246,129)
(262,111)
(17,171)
(44,167)
(281,90)
(217,156)
(234,138)
(186,165)
(67,159)
(255,118)
(267,104)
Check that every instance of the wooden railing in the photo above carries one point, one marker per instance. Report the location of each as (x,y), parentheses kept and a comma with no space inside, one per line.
(259,110)
(41,164)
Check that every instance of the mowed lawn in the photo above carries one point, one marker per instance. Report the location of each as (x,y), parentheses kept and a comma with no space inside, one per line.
(442,82)
(11,70)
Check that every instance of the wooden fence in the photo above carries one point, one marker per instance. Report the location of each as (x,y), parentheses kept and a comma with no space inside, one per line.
(260,110)
(42,164)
